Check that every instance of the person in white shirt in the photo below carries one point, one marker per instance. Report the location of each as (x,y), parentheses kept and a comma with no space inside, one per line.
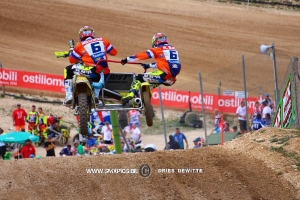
(134,117)
(107,133)
(135,134)
(241,114)
(266,109)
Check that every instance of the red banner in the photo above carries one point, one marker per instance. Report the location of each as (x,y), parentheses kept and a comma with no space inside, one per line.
(171,98)
(32,80)
(180,100)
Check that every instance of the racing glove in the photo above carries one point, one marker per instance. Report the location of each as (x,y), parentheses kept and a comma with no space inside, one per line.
(146,66)
(124,61)
(71,44)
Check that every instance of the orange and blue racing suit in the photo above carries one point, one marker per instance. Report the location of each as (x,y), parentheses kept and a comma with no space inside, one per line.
(90,52)
(167,63)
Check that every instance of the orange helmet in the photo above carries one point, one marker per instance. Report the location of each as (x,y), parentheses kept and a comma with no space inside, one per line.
(159,38)
(85,32)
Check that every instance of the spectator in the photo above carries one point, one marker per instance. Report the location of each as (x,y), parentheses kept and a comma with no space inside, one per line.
(91,142)
(19,116)
(257,123)
(267,120)
(256,110)
(150,148)
(50,147)
(42,121)
(79,147)
(269,101)
(134,117)
(51,120)
(266,109)
(32,120)
(123,145)
(198,142)
(66,151)
(18,154)
(235,129)
(107,133)
(179,137)
(172,144)
(2,145)
(123,118)
(217,119)
(227,128)
(28,150)
(241,113)
(136,134)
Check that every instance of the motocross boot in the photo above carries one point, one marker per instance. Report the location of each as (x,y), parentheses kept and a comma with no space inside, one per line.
(69,90)
(133,92)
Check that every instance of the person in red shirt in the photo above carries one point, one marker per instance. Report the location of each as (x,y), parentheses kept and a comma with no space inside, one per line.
(28,151)
(19,116)
(50,120)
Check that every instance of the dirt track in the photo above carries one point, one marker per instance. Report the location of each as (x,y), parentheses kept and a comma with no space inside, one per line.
(210,37)
(227,175)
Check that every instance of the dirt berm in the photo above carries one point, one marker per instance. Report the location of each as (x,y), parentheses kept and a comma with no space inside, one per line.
(227,174)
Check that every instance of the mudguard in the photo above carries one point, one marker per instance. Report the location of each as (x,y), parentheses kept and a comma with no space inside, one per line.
(145,86)
(83,79)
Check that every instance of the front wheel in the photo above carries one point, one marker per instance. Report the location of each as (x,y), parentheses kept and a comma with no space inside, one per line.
(148,108)
(83,113)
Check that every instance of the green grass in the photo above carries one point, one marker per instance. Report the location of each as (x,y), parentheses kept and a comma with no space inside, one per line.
(283,140)
(274,140)
(157,128)
(262,131)
(279,173)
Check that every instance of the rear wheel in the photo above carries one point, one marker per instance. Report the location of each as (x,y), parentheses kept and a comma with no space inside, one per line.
(148,108)
(190,118)
(83,113)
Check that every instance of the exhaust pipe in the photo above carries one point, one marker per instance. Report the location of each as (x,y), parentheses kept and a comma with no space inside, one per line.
(135,102)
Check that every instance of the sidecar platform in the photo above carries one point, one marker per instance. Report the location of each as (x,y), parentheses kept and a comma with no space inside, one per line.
(116,85)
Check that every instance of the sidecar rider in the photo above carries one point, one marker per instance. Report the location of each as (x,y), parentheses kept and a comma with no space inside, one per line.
(167,63)
(87,53)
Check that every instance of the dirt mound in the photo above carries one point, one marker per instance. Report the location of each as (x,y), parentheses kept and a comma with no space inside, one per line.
(228,174)
(277,148)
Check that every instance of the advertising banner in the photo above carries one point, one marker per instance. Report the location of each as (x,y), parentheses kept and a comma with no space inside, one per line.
(32,80)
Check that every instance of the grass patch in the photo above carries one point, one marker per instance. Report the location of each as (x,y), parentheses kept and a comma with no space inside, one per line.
(285,144)
(157,128)
(262,131)
(283,140)
(274,140)
(279,150)
(2,95)
(279,173)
